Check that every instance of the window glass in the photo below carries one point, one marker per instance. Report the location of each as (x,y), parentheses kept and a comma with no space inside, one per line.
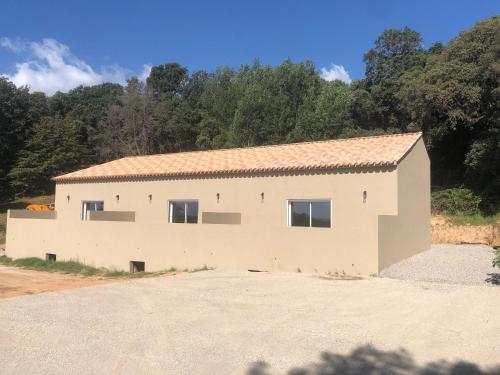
(299,214)
(315,213)
(320,214)
(177,212)
(91,206)
(192,212)
(184,212)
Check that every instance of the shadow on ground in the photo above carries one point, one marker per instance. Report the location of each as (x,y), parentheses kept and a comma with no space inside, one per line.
(367,360)
(493,278)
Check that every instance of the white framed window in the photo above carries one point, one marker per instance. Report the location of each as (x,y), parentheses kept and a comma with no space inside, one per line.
(183,211)
(309,213)
(91,206)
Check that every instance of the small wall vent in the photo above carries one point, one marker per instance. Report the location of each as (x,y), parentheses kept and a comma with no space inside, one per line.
(136,266)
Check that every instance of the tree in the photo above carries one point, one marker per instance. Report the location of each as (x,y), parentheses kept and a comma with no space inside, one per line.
(87,106)
(195,87)
(177,118)
(126,128)
(331,116)
(254,118)
(217,108)
(18,111)
(167,79)
(85,103)
(455,100)
(365,113)
(174,126)
(54,148)
(272,101)
(395,52)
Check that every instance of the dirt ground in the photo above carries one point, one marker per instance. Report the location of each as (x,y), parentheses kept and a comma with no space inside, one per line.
(16,281)
(445,232)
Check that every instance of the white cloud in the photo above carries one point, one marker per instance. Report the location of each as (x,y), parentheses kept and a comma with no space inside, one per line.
(335,72)
(146,70)
(15,46)
(51,67)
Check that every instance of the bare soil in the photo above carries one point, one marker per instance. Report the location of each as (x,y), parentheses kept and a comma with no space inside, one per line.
(443,231)
(16,281)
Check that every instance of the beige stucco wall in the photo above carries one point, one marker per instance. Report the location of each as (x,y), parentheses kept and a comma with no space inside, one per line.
(262,241)
(409,232)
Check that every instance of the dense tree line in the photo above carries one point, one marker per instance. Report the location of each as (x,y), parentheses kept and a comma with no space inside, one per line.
(450,92)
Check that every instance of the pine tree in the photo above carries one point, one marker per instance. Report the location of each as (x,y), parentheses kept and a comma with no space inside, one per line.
(54,148)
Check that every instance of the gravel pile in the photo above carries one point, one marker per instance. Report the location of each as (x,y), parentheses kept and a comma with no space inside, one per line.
(446,263)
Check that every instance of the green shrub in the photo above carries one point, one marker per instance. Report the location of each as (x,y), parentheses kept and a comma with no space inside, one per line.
(455,201)
(476,219)
(496,259)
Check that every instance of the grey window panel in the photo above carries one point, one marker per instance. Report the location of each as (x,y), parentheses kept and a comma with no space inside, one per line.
(111,215)
(221,218)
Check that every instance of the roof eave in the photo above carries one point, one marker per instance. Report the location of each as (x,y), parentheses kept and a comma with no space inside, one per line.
(220,173)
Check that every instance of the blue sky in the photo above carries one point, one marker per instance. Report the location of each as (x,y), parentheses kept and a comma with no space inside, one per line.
(47,44)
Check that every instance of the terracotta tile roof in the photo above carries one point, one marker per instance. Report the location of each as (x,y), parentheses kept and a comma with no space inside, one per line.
(341,153)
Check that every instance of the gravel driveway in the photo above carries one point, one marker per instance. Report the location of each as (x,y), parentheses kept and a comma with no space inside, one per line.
(457,264)
(253,323)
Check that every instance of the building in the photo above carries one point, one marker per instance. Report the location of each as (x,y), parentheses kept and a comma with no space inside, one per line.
(351,205)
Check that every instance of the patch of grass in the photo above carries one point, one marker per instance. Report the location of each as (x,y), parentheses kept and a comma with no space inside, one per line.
(476,219)
(339,276)
(6,261)
(204,268)
(128,275)
(75,268)
(120,273)
(37,264)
